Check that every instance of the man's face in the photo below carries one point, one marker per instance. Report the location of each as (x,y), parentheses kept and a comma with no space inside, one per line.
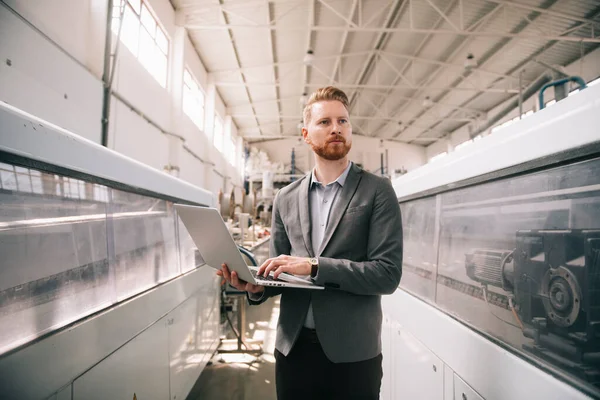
(329,132)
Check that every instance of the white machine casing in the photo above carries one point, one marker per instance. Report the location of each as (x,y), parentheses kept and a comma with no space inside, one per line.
(153,344)
(430,354)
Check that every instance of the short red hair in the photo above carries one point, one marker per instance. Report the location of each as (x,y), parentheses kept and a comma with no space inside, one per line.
(328,93)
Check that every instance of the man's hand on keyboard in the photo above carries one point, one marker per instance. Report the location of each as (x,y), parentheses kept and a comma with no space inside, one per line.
(233,280)
(284,263)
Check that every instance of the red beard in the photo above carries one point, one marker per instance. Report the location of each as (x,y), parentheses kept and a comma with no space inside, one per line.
(332,151)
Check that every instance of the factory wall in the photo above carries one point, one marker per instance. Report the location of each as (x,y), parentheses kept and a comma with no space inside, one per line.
(52,67)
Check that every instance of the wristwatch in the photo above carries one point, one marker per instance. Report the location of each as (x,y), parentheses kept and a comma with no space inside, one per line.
(314,266)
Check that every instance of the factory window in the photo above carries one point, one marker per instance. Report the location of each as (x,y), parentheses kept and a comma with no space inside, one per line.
(218,133)
(143,36)
(229,148)
(241,158)
(512,121)
(234,156)
(463,145)
(438,156)
(193,99)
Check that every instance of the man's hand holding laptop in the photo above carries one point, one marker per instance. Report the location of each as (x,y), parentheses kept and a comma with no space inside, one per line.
(298,266)
(233,280)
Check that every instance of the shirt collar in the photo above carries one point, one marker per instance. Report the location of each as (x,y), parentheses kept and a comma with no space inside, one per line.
(340,180)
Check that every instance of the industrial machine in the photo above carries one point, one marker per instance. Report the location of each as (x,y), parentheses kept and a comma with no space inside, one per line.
(499,292)
(99,282)
(553,276)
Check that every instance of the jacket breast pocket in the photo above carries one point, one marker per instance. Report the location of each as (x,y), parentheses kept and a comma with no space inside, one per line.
(356,217)
(357,209)
(355,228)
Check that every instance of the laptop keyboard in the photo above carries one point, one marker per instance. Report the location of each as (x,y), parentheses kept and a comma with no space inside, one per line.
(263,278)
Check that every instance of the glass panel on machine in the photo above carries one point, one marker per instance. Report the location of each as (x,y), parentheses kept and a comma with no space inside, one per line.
(419,258)
(53,267)
(145,246)
(519,259)
(57,263)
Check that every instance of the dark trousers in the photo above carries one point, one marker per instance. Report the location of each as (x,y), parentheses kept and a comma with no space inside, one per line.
(306,373)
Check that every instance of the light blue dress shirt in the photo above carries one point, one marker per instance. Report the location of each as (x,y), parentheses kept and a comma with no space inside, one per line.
(321,199)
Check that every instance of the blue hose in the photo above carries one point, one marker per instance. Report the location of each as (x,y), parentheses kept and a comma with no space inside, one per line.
(559,82)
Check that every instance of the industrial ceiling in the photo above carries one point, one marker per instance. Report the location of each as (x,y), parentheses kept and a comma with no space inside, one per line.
(414,70)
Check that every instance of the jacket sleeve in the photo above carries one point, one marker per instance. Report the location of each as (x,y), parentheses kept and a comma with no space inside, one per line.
(381,272)
(278,244)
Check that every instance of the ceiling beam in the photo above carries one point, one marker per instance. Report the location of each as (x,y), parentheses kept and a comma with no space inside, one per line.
(336,65)
(360,53)
(231,108)
(473,27)
(374,87)
(313,28)
(239,64)
(562,15)
(195,9)
(272,38)
(352,117)
(348,21)
(545,48)
(282,63)
(309,37)
(495,51)
(417,52)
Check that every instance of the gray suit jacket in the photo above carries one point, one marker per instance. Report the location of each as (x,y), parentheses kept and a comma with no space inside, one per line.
(359,260)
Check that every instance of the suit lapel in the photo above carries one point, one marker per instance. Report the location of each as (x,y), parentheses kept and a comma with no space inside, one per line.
(341,204)
(305,221)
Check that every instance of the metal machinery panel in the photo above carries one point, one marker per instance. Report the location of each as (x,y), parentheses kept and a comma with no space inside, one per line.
(418,373)
(465,351)
(140,369)
(569,124)
(91,340)
(501,257)
(95,268)
(448,383)
(193,336)
(462,391)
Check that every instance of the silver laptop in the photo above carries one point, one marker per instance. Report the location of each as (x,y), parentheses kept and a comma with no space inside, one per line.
(216,246)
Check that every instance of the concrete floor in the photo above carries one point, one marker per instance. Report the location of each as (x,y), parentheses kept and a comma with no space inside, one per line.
(243,376)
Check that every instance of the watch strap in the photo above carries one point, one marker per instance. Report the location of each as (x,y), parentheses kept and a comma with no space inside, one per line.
(314,267)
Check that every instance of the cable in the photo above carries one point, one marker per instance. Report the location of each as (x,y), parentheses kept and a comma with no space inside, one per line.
(512,307)
(491,312)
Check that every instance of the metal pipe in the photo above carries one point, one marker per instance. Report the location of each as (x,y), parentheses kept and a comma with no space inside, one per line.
(105,75)
(560,82)
(387,165)
(521,94)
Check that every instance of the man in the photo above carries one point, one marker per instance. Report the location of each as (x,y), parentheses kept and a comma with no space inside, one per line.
(341,227)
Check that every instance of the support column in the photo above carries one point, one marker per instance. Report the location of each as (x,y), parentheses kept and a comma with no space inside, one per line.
(209,128)
(449,146)
(175,86)
(228,182)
